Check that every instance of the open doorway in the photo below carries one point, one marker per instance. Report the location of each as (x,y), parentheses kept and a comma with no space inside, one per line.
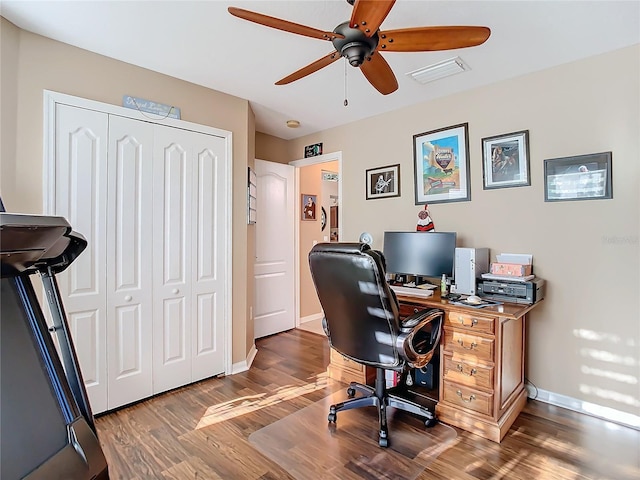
(320,177)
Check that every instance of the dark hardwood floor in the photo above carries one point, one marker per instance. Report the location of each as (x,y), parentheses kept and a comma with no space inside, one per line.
(202,431)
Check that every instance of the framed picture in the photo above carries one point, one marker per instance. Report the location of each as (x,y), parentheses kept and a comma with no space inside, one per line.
(308,206)
(505,160)
(383,182)
(441,165)
(584,177)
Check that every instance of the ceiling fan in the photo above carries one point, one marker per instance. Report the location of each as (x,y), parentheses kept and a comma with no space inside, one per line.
(360,40)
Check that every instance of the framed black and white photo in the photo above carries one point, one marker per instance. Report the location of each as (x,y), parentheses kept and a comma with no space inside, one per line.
(505,160)
(383,182)
(441,165)
(583,177)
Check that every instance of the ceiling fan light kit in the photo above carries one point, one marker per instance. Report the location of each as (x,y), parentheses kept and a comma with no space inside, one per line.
(293,123)
(439,70)
(360,41)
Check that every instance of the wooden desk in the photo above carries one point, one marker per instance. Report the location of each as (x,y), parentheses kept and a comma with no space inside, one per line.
(482,351)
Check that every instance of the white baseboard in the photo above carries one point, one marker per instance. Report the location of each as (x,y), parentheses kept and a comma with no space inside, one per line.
(606,413)
(311,318)
(245,364)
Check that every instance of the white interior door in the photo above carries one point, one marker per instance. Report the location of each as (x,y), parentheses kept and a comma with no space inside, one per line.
(189,246)
(274,264)
(81,197)
(208,261)
(129,284)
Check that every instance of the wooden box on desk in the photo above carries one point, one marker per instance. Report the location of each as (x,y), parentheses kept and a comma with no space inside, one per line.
(345,370)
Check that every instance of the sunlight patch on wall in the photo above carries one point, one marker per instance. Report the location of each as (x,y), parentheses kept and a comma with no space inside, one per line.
(610,395)
(609,357)
(618,377)
(603,337)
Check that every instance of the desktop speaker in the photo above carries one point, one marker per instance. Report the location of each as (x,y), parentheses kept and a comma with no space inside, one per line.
(470,263)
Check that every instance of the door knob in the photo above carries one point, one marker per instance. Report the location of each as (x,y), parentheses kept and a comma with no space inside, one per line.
(127,298)
(175,291)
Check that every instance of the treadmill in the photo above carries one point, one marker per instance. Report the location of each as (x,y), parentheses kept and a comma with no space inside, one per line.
(48,430)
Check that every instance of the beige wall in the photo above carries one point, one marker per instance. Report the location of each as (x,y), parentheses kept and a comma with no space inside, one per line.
(9,39)
(272,149)
(38,63)
(583,341)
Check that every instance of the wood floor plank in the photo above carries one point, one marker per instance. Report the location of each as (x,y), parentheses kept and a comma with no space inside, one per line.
(202,431)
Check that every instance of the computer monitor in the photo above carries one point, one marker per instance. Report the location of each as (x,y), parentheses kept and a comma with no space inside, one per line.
(423,254)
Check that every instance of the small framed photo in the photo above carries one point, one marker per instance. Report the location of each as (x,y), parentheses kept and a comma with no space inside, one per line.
(308,207)
(441,165)
(505,160)
(584,177)
(383,182)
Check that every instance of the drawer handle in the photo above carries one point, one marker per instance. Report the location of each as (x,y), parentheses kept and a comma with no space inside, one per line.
(415,310)
(473,323)
(471,397)
(471,373)
(470,347)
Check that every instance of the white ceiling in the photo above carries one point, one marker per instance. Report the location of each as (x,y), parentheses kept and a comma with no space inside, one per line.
(201,42)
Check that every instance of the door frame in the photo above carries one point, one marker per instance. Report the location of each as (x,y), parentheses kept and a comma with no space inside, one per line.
(304,162)
(51,99)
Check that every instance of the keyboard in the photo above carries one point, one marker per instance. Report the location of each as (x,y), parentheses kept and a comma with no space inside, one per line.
(412,291)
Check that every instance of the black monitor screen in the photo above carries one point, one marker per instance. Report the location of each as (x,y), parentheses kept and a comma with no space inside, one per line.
(425,254)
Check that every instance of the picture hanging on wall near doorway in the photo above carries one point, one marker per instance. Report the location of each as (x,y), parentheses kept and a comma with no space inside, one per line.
(309,207)
(383,182)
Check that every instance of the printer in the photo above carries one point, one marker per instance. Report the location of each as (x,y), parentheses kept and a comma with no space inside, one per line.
(527,292)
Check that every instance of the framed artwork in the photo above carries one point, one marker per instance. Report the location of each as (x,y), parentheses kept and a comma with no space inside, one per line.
(308,207)
(383,182)
(505,160)
(584,177)
(441,165)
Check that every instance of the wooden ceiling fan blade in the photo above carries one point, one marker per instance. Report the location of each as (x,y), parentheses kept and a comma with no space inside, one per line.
(309,69)
(368,15)
(423,39)
(283,25)
(379,74)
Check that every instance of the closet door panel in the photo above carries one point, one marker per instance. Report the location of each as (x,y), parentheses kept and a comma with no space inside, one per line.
(171,247)
(81,197)
(208,265)
(129,324)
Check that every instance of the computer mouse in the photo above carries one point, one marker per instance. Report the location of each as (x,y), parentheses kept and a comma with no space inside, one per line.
(474,299)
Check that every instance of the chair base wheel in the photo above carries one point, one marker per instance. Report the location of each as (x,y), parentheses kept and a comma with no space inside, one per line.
(331,418)
(431,422)
(383,441)
(351,392)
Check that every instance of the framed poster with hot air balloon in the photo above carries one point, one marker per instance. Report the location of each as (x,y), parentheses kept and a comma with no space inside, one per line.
(441,165)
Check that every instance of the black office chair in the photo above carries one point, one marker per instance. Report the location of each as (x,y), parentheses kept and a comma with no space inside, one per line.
(361,319)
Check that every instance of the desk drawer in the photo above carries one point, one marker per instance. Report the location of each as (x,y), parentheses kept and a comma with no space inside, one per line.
(467,373)
(408,310)
(480,348)
(343,362)
(468,398)
(471,322)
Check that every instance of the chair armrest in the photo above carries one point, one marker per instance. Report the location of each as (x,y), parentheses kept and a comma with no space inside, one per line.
(419,336)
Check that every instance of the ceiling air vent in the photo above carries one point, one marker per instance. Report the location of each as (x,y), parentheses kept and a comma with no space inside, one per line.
(439,70)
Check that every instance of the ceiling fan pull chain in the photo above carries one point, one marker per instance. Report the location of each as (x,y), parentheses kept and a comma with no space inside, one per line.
(346,102)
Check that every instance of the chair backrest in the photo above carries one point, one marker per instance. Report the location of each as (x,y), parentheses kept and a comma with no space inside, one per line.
(360,309)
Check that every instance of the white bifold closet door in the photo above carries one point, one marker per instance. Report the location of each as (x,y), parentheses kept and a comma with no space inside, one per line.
(129,237)
(145,301)
(81,197)
(188,282)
